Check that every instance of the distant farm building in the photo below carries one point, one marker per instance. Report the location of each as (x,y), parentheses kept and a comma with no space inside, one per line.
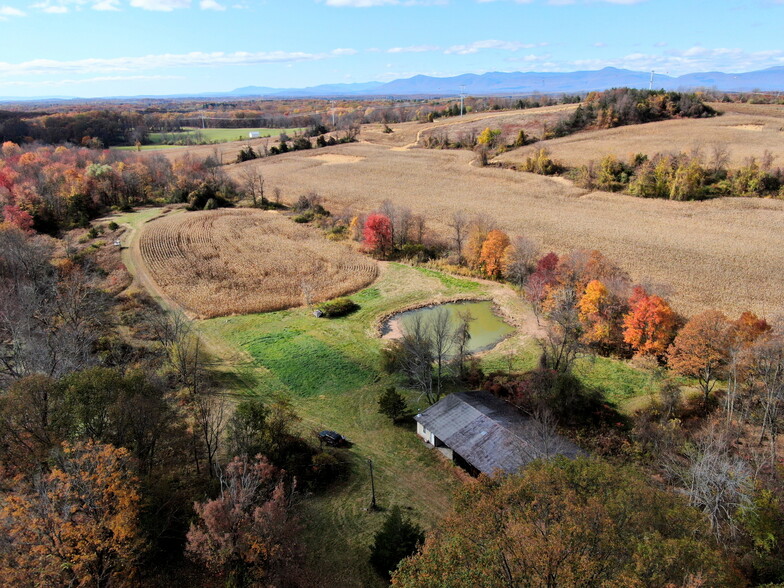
(254,134)
(484,434)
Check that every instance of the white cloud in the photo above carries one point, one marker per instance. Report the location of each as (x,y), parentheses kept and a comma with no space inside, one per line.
(161,5)
(600,44)
(570,2)
(414,49)
(693,59)
(69,82)
(65,6)
(9,11)
(373,3)
(343,51)
(211,5)
(153,62)
(477,46)
(359,3)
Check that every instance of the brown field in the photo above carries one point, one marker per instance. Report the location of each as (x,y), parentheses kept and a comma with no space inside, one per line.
(726,254)
(408,134)
(746,130)
(222,262)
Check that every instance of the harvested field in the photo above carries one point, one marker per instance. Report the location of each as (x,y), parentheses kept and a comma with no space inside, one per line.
(222,262)
(743,132)
(726,253)
(532,121)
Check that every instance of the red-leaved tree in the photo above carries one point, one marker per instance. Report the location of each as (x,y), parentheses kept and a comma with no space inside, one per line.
(16,217)
(377,234)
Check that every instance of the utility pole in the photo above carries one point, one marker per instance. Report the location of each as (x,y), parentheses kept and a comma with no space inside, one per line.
(462,97)
(372,487)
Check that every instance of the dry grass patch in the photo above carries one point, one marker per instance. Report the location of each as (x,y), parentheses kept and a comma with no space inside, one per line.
(223,262)
(726,253)
(744,133)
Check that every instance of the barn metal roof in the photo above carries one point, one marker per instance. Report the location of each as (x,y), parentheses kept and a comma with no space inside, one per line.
(491,434)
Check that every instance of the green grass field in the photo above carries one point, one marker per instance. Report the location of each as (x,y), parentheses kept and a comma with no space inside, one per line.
(329,370)
(217,135)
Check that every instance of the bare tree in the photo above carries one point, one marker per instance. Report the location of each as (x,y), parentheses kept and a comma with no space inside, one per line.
(768,374)
(716,481)
(520,260)
(48,323)
(252,183)
(462,336)
(544,441)
(563,332)
(443,339)
(459,224)
(419,225)
(720,158)
(210,415)
(417,357)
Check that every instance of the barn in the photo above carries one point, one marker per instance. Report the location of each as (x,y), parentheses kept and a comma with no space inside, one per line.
(484,434)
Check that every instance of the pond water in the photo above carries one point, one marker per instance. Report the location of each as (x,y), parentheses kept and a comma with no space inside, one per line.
(486,329)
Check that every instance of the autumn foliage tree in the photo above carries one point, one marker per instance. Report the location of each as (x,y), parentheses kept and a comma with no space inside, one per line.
(377,234)
(701,349)
(247,532)
(492,255)
(78,525)
(600,313)
(568,523)
(649,326)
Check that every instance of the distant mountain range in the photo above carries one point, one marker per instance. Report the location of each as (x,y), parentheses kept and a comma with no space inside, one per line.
(500,83)
(503,84)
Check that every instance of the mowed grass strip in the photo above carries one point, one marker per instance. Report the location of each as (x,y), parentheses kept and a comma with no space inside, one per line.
(219,135)
(329,370)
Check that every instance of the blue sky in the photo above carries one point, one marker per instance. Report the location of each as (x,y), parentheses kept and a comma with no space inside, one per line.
(129,47)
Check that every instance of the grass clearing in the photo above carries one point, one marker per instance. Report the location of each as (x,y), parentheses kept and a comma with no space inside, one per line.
(329,370)
(195,134)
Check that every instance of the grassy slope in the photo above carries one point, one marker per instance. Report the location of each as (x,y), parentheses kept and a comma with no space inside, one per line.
(329,371)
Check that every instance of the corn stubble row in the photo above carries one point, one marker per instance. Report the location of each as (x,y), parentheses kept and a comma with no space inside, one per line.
(222,262)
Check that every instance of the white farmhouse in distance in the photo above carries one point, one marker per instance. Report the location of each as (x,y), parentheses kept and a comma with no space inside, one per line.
(254,134)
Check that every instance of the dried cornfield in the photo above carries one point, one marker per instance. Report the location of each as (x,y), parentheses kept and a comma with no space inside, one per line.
(726,253)
(742,131)
(222,262)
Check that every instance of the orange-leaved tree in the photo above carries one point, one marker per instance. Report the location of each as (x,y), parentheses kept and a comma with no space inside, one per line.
(601,313)
(701,349)
(649,326)
(568,523)
(492,254)
(79,524)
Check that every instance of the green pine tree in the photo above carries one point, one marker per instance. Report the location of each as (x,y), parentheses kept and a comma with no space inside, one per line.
(397,539)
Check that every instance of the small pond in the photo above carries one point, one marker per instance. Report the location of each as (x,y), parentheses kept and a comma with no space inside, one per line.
(486,329)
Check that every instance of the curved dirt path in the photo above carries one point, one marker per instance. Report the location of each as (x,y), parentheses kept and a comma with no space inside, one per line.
(134,262)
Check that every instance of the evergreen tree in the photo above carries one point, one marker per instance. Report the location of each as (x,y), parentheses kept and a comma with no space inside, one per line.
(397,539)
(392,404)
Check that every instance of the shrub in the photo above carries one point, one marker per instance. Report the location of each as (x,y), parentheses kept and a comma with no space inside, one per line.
(338,307)
(113,226)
